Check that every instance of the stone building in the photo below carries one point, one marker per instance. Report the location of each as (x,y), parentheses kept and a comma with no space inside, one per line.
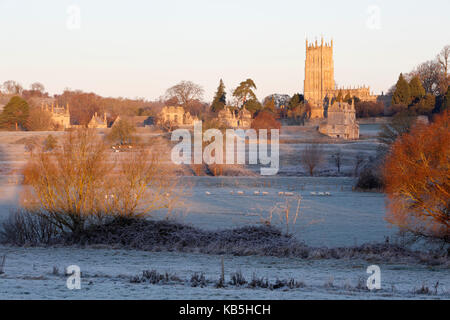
(60,115)
(341,121)
(98,122)
(319,75)
(228,117)
(177,116)
(361,92)
(319,84)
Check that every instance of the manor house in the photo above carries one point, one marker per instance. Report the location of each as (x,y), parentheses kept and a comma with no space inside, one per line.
(177,116)
(228,117)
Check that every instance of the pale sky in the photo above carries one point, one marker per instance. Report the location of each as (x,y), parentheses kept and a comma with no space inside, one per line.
(138,48)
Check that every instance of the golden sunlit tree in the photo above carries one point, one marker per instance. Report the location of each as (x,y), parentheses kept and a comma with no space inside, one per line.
(417,176)
(82,181)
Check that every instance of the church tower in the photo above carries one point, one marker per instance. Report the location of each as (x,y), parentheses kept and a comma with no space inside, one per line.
(319,75)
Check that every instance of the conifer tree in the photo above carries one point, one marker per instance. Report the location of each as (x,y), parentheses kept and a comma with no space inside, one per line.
(269,105)
(244,92)
(402,93)
(295,101)
(220,100)
(417,90)
(15,114)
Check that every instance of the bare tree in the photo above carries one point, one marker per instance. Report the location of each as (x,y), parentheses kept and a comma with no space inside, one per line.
(311,157)
(37,86)
(443,58)
(337,158)
(185,93)
(80,181)
(40,120)
(430,74)
(12,87)
(359,160)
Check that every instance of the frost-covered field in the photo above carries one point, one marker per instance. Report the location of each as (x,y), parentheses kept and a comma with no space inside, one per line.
(106,275)
(344,218)
(341,219)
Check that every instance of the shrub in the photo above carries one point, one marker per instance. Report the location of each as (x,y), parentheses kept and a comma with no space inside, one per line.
(198,280)
(122,132)
(237,279)
(369,180)
(50,143)
(154,277)
(417,175)
(81,182)
(366,109)
(24,227)
(265,120)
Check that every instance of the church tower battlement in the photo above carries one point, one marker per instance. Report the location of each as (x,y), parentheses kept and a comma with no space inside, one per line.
(319,75)
(319,86)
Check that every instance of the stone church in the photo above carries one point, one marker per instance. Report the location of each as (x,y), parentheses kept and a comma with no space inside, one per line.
(319,85)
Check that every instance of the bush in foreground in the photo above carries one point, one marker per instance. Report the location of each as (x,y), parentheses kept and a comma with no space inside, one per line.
(417,175)
(164,235)
(80,182)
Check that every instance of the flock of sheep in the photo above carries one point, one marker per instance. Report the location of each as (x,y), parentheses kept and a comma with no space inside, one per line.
(281,193)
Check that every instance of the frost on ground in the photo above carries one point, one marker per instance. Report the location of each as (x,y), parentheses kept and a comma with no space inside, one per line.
(152,235)
(327,258)
(38,273)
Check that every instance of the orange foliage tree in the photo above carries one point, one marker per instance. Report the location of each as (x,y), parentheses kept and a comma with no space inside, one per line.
(417,175)
(265,120)
(81,181)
